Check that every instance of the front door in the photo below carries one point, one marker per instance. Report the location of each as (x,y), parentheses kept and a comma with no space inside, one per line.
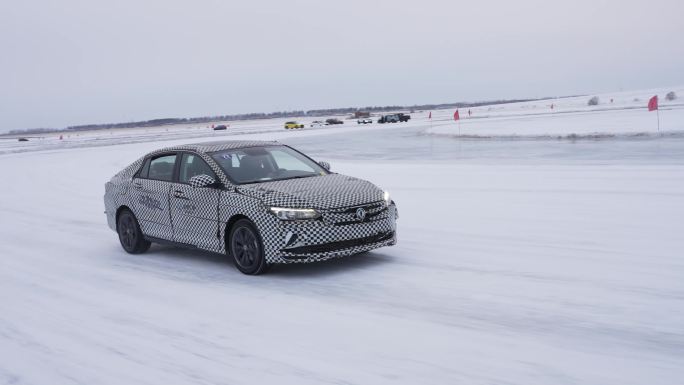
(151,189)
(194,211)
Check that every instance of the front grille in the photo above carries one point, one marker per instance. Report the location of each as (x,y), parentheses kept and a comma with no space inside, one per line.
(347,215)
(369,208)
(341,245)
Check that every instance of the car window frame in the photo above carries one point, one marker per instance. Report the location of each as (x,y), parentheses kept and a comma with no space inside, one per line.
(153,157)
(146,162)
(179,160)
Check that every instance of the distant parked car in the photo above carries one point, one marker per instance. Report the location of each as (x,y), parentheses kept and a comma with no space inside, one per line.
(389,119)
(293,124)
(220,127)
(334,121)
(404,117)
(318,123)
(365,121)
(394,118)
(22,140)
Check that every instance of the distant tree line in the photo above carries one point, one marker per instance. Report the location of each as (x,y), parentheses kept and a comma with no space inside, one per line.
(270,115)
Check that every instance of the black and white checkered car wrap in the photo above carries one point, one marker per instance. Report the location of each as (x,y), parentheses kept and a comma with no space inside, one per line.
(200,217)
(201,181)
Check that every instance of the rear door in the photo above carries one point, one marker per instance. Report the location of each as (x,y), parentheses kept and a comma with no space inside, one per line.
(151,189)
(194,211)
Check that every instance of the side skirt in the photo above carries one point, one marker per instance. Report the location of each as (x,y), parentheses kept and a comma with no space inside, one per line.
(180,245)
(169,243)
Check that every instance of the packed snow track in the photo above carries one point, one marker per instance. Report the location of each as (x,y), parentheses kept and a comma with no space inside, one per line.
(531,270)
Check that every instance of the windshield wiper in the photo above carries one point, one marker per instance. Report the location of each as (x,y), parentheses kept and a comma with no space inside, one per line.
(279,179)
(258,181)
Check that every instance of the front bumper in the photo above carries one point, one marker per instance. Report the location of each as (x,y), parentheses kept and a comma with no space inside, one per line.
(310,241)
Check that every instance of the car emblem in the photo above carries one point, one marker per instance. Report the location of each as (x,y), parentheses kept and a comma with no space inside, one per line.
(360,214)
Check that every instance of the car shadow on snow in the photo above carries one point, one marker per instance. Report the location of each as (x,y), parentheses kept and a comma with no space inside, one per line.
(199,258)
(342,265)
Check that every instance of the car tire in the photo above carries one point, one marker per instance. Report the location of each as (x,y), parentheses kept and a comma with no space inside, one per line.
(131,237)
(246,249)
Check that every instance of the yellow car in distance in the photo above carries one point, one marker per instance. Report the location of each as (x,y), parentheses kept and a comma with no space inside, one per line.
(292,125)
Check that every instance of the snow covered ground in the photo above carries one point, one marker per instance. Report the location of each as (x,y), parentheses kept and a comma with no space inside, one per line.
(621,114)
(618,115)
(519,262)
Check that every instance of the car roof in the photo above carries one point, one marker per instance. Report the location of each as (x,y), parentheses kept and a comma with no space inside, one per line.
(219,145)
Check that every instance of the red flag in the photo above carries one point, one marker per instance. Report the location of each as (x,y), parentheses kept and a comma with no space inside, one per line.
(456,116)
(430,116)
(653,103)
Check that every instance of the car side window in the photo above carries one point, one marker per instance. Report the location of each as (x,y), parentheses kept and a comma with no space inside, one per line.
(192,165)
(161,168)
(143,172)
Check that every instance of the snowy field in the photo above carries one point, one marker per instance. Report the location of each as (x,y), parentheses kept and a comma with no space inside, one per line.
(620,114)
(523,262)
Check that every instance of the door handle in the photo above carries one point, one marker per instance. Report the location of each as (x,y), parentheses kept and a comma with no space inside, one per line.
(180,195)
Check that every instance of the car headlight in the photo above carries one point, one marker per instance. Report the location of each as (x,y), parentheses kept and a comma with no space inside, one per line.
(294,214)
(386,197)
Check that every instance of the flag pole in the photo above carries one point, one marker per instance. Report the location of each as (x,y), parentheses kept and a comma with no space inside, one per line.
(432,134)
(653,105)
(460,139)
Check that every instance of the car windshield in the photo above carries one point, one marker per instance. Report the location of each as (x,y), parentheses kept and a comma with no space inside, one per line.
(266,164)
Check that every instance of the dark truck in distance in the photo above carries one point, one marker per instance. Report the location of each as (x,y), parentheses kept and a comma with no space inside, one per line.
(394,118)
(334,121)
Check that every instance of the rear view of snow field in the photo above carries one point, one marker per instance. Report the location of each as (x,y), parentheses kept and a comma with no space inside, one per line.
(530,261)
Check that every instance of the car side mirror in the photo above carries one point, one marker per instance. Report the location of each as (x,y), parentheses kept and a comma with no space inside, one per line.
(325,165)
(202,180)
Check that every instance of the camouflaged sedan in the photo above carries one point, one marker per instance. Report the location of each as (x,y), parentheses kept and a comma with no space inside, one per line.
(260,203)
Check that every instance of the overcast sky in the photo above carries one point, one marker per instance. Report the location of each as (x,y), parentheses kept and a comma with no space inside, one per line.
(66,62)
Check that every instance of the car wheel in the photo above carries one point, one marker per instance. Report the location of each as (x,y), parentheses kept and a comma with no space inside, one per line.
(131,237)
(246,248)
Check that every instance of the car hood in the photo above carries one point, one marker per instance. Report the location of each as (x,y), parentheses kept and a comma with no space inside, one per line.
(320,192)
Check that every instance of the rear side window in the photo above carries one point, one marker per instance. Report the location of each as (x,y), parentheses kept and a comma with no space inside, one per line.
(144,170)
(161,168)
